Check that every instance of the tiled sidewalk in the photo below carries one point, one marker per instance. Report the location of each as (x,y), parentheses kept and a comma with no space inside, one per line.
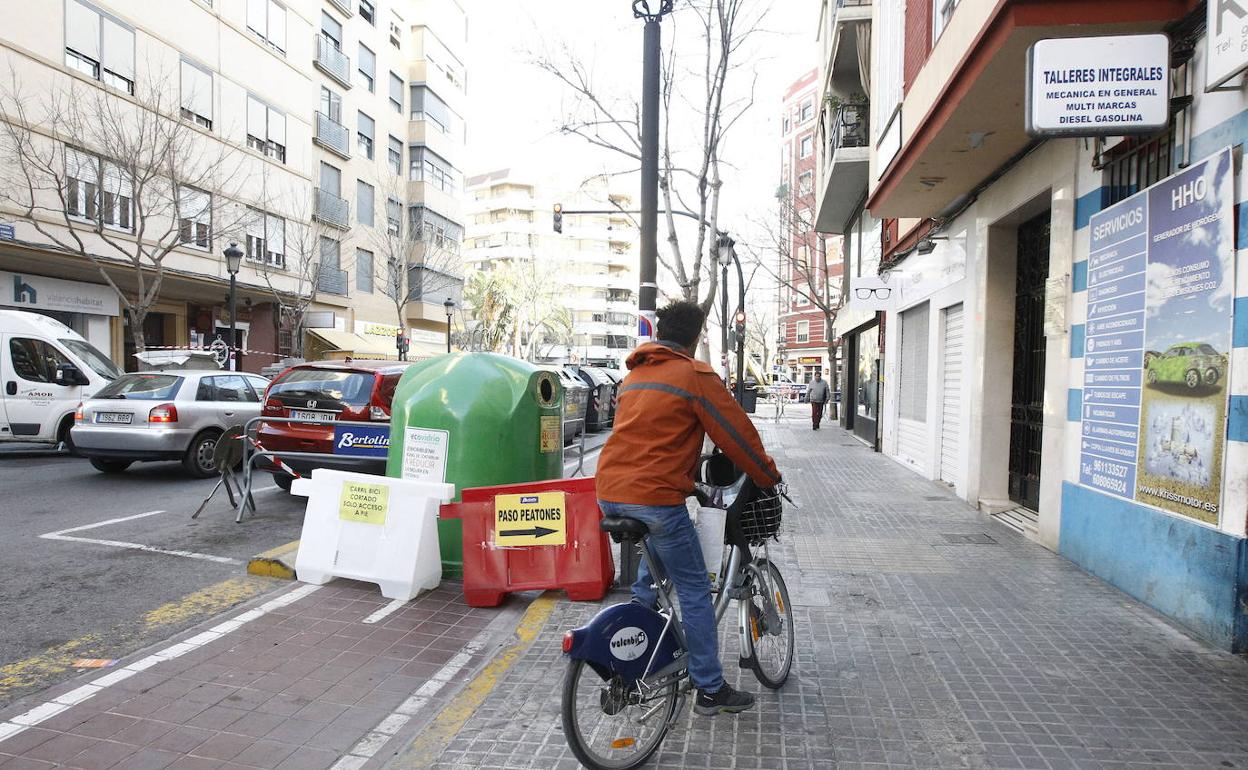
(303,685)
(918,648)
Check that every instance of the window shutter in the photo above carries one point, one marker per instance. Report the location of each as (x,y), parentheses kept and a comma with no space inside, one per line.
(257,15)
(364,202)
(368,62)
(116,181)
(193,204)
(396,89)
(196,90)
(277,25)
(82,29)
(256,118)
(79,165)
(277,127)
(255,223)
(365,125)
(118,49)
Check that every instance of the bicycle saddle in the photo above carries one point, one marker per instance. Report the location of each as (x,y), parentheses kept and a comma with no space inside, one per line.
(623,527)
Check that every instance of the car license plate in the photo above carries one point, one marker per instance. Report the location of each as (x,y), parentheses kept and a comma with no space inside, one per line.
(299,414)
(115,418)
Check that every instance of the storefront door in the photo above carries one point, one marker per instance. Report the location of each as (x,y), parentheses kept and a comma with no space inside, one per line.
(1027,402)
(866,386)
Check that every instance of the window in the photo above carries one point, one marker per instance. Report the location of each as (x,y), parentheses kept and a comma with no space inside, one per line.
(434,229)
(803,331)
(363,203)
(331,178)
(196,94)
(395,34)
(194,217)
(394,217)
(808,111)
(35,360)
(785,127)
(368,12)
(942,11)
(396,93)
(97,190)
(428,107)
(227,387)
(266,238)
(395,156)
(99,46)
(267,20)
(806,183)
(364,270)
(806,147)
(428,167)
(266,129)
(364,130)
(368,68)
(331,30)
(331,105)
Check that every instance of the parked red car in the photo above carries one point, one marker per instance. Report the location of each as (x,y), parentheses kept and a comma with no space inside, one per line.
(324,393)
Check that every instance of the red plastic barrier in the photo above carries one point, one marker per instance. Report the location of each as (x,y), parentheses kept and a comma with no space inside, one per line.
(582,566)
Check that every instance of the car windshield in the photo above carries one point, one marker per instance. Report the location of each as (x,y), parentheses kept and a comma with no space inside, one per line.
(94,358)
(1207,350)
(352,388)
(143,386)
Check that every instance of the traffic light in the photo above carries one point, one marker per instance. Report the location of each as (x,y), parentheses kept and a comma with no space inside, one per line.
(558,221)
(738,322)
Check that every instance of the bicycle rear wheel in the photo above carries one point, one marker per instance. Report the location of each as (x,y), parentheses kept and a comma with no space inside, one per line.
(770,626)
(610,725)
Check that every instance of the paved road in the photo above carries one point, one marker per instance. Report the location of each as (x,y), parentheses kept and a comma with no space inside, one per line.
(62,600)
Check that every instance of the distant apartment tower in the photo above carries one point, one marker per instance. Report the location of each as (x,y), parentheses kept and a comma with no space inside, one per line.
(804,265)
(593,261)
(338,118)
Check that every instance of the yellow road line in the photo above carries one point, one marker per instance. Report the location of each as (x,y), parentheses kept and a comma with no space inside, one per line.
(55,662)
(430,744)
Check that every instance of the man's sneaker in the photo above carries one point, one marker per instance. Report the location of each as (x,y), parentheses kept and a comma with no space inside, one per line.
(726,701)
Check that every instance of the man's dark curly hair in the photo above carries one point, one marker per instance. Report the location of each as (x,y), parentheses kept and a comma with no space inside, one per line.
(680,322)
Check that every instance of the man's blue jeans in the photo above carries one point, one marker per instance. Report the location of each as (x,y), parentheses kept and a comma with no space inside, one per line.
(674,539)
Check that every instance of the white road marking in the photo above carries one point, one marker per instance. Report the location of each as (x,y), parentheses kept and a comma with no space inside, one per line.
(382,613)
(388,727)
(46,711)
(62,535)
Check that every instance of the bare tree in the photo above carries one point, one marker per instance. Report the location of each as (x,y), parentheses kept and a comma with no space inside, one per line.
(703,83)
(420,261)
(121,183)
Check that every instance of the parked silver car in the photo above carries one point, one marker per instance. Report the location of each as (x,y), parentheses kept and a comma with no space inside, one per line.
(170,415)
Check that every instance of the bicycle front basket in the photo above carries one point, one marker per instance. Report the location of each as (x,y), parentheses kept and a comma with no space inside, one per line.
(760,519)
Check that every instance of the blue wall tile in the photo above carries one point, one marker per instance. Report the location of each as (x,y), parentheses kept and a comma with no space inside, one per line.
(1079,276)
(1087,205)
(1241,226)
(1229,132)
(1074,405)
(1076,340)
(1240,338)
(1196,575)
(1237,419)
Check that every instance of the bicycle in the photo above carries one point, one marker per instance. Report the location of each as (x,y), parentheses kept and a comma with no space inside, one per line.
(627,678)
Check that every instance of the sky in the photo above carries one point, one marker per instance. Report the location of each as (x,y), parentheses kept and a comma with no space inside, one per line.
(514,108)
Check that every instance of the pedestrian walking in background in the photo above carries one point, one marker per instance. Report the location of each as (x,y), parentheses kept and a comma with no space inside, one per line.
(818,395)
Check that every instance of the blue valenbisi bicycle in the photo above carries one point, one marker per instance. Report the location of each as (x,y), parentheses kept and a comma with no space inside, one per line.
(628,679)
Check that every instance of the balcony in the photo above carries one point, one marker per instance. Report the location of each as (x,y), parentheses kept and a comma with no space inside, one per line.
(344,6)
(332,135)
(331,280)
(846,159)
(332,210)
(332,61)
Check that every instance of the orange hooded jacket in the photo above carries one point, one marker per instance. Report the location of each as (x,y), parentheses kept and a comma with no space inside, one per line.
(668,402)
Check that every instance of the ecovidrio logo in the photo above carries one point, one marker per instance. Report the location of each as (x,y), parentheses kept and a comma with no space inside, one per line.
(629,643)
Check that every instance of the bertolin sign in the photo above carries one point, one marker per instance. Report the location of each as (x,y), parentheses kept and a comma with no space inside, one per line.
(1098,86)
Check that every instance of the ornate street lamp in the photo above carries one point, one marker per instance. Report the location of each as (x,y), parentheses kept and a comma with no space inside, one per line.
(234,261)
(450,308)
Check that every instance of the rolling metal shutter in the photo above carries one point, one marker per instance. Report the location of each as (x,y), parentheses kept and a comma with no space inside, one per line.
(912,435)
(951,398)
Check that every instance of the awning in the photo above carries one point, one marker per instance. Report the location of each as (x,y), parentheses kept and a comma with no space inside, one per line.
(339,344)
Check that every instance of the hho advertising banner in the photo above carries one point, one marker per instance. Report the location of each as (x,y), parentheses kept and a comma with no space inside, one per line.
(1160,287)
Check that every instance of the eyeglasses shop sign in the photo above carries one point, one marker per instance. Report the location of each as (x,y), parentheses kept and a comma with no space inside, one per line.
(1098,86)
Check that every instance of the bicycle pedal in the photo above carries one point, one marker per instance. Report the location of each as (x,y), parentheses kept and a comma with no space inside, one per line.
(744,663)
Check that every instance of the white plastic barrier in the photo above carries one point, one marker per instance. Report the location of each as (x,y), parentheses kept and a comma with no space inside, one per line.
(372,528)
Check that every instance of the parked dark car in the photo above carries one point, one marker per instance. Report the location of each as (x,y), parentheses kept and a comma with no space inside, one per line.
(601,391)
(323,393)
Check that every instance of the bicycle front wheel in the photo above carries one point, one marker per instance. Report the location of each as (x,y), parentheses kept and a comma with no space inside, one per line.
(770,618)
(610,724)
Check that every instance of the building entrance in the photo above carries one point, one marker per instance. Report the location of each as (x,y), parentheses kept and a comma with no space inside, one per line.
(1027,400)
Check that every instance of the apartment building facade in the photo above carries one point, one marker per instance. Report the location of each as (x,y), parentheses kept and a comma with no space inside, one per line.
(304,109)
(809,261)
(1060,342)
(591,265)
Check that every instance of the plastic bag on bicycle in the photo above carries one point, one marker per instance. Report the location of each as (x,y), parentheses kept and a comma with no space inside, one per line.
(626,640)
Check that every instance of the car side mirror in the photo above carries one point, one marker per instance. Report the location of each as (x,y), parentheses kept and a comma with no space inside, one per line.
(70,375)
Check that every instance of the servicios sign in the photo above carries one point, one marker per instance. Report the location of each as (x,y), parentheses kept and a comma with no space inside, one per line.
(1098,86)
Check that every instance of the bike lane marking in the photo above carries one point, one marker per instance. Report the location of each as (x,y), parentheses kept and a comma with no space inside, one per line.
(45,711)
(385,611)
(63,535)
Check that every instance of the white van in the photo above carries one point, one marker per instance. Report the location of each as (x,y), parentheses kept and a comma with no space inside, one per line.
(46,369)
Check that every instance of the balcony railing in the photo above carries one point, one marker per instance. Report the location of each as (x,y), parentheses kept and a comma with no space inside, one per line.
(332,135)
(333,62)
(850,127)
(332,210)
(852,3)
(344,6)
(331,280)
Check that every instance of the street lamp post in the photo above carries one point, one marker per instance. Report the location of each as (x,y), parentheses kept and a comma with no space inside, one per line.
(233,261)
(726,247)
(450,308)
(648,289)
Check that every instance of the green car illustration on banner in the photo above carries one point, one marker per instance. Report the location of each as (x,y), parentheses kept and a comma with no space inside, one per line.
(1192,363)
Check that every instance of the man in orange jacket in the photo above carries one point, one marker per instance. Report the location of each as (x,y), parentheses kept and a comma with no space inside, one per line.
(668,403)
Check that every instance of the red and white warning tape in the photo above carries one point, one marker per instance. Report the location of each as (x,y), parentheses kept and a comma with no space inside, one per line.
(211,350)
